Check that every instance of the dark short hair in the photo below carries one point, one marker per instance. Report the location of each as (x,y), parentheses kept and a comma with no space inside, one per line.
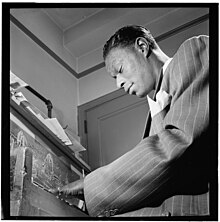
(126,37)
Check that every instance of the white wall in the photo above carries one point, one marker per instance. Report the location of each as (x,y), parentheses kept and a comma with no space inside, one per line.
(32,64)
(46,30)
(95,85)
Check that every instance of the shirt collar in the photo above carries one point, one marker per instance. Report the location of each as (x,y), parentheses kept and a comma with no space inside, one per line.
(152,104)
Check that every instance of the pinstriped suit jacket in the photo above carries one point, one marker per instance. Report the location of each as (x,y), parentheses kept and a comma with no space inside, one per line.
(167,172)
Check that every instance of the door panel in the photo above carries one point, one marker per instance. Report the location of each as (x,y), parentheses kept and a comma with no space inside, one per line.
(114,128)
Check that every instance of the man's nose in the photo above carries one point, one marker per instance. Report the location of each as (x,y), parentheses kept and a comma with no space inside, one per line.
(120,81)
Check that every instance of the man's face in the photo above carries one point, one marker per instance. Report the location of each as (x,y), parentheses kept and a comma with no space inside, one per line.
(132,71)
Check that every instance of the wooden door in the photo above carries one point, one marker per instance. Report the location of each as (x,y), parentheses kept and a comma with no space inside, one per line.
(114,127)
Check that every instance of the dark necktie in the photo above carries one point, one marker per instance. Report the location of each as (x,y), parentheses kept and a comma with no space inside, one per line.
(148,122)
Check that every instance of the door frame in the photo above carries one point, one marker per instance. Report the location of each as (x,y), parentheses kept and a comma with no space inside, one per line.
(82,115)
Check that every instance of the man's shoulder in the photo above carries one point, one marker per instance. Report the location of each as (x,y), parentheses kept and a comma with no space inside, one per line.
(195,44)
(199,37)
(199,40)
(190,49)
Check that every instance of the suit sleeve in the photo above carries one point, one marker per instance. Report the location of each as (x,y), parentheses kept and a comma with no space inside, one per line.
(140,176)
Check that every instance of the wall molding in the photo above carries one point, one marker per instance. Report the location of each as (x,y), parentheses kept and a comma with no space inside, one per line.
(102,64)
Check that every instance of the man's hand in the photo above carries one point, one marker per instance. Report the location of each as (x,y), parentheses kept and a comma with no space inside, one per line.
(75,188)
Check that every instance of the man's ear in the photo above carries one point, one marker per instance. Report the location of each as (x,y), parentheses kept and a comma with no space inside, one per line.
(142,45)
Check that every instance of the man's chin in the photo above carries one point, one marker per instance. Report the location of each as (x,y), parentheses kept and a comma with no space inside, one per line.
(140,95)
(137,93)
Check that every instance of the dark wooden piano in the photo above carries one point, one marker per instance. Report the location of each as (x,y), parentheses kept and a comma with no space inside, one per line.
(39,160)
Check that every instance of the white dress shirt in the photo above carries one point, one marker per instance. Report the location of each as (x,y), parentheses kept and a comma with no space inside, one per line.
(162,97)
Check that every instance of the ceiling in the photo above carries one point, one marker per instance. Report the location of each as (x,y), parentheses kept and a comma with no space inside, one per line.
(80,26)
(87,29)
(67,17)
(84,31)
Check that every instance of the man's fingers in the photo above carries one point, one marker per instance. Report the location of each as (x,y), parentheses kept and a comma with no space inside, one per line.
(64,189)
(55,190)
(74,188)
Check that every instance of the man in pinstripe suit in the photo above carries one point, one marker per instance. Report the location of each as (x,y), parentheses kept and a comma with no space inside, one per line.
(167,173)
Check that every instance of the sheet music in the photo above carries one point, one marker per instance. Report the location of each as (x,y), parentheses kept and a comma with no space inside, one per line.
(18,97)
(53,124)
(15,82)
(57,129)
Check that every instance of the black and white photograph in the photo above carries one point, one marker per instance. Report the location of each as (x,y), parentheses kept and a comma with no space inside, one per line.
(109,113)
